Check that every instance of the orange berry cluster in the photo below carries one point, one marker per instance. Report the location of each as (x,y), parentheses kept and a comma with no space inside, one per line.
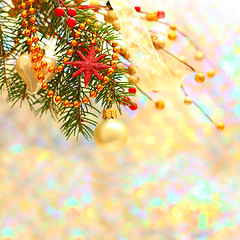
(77,34)
(76,103)
(31,29)
(29,19)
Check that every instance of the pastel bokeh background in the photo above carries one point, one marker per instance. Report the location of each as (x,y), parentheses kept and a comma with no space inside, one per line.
(178,177)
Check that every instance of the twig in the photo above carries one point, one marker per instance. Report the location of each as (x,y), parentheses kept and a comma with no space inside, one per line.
(172,55)
(185,93)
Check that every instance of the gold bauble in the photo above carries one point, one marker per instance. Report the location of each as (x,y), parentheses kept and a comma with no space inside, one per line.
(121,66)
(111,16)
(116,24)
(173,27)
(158,44)
(127,55)
(24,67)
(211,73)
(187,100)
(172,35)
(152,16)
(220,126)
(131,70)
(133,79)
(199,55)
(123,50)
(183,59)
(200,77)
(154,36)
(160,105)
(111,135)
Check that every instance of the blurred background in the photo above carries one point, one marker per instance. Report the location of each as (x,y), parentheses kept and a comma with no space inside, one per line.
(177,178)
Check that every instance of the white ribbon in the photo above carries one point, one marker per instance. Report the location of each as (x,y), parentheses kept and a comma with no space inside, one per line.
(156,70)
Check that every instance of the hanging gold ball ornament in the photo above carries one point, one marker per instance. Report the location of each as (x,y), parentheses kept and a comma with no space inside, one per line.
(110,135)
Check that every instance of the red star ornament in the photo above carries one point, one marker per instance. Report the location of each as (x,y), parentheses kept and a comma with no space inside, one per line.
(89,65)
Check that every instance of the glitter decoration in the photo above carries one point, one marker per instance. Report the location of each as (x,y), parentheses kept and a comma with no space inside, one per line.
(89,65)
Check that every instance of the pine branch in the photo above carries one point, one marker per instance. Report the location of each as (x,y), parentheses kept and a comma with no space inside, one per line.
(5,44)
(74,120)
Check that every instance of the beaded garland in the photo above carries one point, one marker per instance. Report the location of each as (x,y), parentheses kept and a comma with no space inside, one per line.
(37,56)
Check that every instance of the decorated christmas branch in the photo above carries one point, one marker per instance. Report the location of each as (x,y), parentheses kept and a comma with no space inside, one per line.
(82,74)
(85,73)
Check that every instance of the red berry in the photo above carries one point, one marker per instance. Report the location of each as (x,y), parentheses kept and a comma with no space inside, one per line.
(161,14)
(72,12)
(59,11)
(138,8)
(132,90)
(133,106)
(71,22)
(126,101)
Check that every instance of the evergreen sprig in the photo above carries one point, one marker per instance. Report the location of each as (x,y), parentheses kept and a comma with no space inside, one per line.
(74,121)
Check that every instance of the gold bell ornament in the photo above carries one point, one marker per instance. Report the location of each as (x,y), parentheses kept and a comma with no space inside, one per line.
(111,134)
(25,69)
